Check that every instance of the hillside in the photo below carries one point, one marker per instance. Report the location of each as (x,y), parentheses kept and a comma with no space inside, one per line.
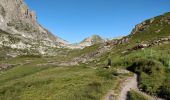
(146,52)
(152,29)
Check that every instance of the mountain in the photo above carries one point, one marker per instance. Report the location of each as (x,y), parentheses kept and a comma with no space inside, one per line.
(20,30)
(152,29)
(95,39)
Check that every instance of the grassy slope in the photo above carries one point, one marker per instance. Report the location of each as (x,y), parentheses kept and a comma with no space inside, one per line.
(150,33)
(31,81)
(152,64)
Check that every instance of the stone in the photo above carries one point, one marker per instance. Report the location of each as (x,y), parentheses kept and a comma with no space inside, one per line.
(168,23)
(33,16)
(157,31)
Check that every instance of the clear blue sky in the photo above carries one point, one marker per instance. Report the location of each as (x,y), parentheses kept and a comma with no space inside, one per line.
(74,20)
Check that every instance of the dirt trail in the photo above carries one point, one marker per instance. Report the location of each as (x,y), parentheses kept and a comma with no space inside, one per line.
(130,83)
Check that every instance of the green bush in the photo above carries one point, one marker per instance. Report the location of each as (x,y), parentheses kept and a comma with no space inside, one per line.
(133,95)
(165,89)
(151,75)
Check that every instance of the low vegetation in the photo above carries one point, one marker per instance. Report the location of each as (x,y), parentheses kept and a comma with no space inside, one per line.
(2,11)
(34,80)
(149,79)
(133,95)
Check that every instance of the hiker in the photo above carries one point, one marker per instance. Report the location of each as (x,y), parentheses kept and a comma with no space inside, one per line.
(109,63)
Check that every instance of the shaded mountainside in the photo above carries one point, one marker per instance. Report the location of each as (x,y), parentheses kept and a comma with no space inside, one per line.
(19,29)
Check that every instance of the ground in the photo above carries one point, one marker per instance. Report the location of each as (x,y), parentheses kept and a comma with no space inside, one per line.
(32,81)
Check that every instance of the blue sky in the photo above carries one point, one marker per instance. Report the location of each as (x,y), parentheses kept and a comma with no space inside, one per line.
(74,20)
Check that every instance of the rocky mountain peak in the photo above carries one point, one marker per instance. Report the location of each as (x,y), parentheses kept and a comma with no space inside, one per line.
(94,39)
(19,29)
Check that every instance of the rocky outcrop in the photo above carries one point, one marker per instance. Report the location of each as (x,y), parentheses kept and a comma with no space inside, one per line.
(19,29)
(142,26)
(148,44)
(155,25)
(120,41)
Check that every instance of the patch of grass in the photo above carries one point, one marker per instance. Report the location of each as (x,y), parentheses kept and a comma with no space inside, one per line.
(107,73)
(133,95)
(63,83)
(165,89)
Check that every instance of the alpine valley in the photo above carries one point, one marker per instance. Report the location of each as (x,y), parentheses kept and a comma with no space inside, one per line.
(37,65)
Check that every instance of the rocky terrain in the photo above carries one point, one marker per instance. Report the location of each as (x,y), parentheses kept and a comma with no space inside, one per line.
(19,29)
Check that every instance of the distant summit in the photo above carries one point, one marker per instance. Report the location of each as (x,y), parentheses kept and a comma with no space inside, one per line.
(95,39)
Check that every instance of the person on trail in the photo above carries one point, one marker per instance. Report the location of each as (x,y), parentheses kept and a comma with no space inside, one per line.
(109,64)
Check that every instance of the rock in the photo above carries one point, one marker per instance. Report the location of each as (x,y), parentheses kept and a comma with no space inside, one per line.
(124,52)
(139,27)
(157,31)
(4,66)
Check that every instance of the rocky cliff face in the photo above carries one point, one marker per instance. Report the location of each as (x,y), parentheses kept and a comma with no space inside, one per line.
(142,26)
(19,29)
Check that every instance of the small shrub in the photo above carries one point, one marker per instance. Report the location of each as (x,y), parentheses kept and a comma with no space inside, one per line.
(132,95)
(2,11)
(165,89)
